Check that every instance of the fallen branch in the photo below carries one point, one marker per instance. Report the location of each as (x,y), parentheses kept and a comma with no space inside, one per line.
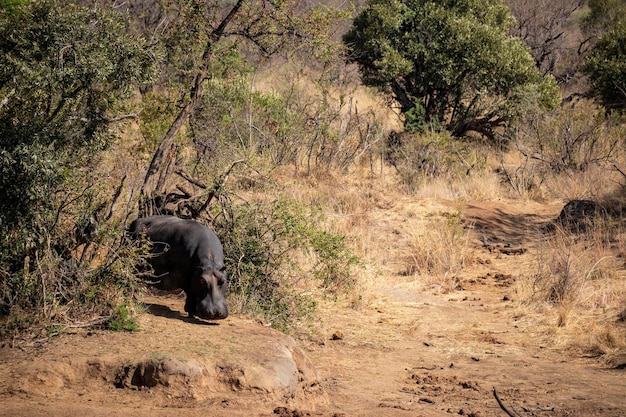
(217,185)
(510,413)
(62,327)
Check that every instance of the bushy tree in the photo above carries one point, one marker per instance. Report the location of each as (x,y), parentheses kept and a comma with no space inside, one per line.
(606,65)
(449,64)
(63,70)
(606,68)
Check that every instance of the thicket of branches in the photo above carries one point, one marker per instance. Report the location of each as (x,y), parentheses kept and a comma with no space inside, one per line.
(135,108)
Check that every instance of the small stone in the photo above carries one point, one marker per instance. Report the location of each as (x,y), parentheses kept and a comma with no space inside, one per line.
(338,335)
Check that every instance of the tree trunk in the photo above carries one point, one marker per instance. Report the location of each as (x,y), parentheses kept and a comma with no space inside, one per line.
(155,174)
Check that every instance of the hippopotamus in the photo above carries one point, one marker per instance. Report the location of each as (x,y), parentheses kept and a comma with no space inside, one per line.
(186,255)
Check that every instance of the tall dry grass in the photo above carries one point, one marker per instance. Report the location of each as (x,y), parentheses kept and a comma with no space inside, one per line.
(577,285)
(573,153)
(440,252)
(479,186)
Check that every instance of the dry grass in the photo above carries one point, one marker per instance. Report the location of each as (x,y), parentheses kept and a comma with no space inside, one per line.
(479,186)
(594,183)
(577,282)
(572,294)
(439,252)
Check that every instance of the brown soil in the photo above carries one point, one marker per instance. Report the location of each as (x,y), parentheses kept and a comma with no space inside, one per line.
(406,349)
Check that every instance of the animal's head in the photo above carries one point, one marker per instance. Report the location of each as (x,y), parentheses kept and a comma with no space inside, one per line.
(207,296)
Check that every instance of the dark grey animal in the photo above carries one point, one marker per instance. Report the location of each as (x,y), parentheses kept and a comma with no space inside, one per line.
(189,256)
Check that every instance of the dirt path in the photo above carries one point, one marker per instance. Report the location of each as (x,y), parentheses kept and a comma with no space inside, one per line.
(408,350)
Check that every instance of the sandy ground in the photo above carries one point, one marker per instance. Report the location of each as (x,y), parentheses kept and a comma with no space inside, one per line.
(408,349)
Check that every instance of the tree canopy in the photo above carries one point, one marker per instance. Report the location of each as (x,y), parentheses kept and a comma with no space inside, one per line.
(606,64)
(606,68)
(63,68)
(449,64)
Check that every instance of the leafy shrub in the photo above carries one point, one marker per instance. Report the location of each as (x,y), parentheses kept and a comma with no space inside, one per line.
(156,117)
(238,122)
(264,245)
(606,69)
(122,319)
(61,74)
(334,260)
(65,69)
(95,284)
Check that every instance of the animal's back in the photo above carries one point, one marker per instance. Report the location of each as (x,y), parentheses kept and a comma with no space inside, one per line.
(196,240)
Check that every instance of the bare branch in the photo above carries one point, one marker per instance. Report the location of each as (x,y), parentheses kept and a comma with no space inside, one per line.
(181,172)
(219,183)
(511,413)
(116,195)
(124,117)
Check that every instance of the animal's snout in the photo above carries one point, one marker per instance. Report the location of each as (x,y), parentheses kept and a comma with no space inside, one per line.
(212,309)
(213,314)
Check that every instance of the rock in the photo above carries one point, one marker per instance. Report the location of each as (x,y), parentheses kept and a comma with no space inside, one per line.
(578,215)
(152,372)
(338,335)
(264,363)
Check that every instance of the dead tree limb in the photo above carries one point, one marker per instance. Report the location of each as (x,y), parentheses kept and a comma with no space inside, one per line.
(156,165)
(186,193)
(116,196)
(181,172)
(510,413)
(217,185)
(168,168)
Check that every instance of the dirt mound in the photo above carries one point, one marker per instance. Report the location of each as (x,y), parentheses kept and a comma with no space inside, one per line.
(174,362)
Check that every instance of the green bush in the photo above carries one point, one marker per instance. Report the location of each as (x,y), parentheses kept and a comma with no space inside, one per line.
(67,289)
(335,261)
(122,319)
(606,68)
(263,243)
(65,70)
